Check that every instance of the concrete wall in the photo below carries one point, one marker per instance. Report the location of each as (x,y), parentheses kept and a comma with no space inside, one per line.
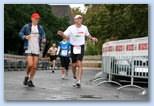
(18,63)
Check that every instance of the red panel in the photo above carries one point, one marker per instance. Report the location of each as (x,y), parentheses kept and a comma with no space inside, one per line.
(119,48)
(143,46)
(110,48)
(130,47)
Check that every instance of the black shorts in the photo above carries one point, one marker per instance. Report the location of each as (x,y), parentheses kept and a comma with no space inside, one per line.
(31,54)
(76,57)
(53,58)
(65,62)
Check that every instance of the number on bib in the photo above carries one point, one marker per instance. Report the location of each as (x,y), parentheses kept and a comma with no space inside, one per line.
(77,49)
(64,52)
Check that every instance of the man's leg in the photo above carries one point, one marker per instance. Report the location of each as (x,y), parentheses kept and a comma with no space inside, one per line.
(74,70)
(29,60)
(29,63)
(80,72)
(53,66)
(62,60)
(63,72)
(34,67)
(50,61)
(80,68)
(33,71)
(67,66)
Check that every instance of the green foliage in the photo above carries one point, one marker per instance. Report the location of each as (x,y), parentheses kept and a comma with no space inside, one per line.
(106,22)
(92,48)
(76,11)
(113,22)
(16,15)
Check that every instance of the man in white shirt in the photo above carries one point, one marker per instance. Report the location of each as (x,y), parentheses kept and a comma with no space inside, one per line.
(76,34)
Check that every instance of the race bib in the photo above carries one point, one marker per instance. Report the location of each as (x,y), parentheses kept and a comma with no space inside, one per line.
(77,49)
(64,52)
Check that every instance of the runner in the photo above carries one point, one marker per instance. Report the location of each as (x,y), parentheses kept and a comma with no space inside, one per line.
(32,34)
(76,34)
(53,55)
(64,53)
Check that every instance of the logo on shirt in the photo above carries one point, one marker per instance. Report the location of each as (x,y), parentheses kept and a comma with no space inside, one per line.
(80,32)
(77,35)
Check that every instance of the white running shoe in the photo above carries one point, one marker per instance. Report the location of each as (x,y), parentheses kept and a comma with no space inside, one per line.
(78,84)
(63,77)
(74,82)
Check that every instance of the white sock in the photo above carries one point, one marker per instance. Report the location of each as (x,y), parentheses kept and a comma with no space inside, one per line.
(79,81)
(63,75)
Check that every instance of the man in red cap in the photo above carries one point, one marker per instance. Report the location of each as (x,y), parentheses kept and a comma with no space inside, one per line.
(76,34)
(32,34)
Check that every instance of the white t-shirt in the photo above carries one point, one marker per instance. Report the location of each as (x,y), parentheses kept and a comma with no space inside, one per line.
(77,34)
(33,42)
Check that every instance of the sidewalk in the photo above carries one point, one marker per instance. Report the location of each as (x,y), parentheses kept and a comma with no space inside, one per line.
(51,87)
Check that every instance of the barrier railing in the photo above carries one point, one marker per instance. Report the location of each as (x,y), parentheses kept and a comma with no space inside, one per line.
(18,63)
(125,58)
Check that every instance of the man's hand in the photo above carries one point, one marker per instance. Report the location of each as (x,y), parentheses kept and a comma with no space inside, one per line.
(27,37)
(61,33)
(44,40)
(94,39)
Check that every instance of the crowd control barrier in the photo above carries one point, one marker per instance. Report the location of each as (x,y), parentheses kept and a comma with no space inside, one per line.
(125,58)
(18,63)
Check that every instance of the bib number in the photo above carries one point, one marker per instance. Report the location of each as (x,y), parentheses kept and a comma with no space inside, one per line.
(77,49)
(64,52)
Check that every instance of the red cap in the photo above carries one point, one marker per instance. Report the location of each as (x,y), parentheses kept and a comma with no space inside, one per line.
(35,15)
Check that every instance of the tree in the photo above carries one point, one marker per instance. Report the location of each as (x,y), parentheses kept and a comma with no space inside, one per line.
(105,21)
(116,21)
(16,15)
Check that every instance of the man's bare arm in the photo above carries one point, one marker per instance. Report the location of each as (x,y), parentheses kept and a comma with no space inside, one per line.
(61,33)
(92,38)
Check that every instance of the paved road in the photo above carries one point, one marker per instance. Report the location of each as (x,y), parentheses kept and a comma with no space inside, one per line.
(51,87)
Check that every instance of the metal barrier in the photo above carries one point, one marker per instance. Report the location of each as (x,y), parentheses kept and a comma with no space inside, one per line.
(18,63)
(125,58)
(14,62)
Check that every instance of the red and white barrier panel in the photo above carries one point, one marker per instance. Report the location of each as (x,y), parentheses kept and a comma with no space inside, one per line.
(129,47)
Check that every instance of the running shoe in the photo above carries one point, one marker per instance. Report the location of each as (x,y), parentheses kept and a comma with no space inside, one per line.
(25,81)
(30,84)
(78,85)
(74,82)
(63,77)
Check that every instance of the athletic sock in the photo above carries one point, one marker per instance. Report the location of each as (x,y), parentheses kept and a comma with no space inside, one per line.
(63,76)
(79,81)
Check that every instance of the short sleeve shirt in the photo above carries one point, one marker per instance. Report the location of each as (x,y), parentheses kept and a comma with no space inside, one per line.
(33,43)
(77,34)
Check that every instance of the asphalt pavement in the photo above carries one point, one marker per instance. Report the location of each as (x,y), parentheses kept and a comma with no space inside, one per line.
(50,86)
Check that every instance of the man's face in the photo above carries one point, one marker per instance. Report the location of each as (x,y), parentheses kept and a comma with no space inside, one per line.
(35,20)
(54,45)
(78,21)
